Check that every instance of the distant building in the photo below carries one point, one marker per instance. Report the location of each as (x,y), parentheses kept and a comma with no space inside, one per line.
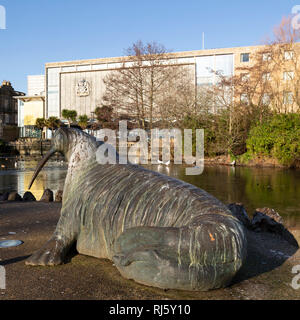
(8,104)
(8,111)
(31,106)
(79,85)
(35,85)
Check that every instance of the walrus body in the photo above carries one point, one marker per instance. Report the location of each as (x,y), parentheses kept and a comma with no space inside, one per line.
(158,230)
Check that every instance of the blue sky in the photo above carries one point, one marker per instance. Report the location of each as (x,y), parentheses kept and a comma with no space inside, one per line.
(40,31)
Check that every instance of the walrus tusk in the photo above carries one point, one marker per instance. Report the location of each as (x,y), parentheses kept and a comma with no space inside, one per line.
(41,165)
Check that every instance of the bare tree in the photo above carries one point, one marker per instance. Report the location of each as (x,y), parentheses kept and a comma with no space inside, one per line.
(272,78)
(143,86)
(177,99)
(268,83)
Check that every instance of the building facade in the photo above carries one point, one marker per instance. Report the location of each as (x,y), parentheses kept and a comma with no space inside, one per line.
(78,85)
(8,112)
(8,104)
(31,106)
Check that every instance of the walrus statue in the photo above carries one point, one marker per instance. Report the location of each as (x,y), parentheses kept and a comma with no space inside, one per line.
(158,231)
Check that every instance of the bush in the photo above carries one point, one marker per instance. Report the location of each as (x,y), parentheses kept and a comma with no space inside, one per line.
(279,137)
(227,129)
(209,136)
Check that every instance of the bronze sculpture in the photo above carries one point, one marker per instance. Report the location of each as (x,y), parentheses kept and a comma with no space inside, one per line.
(158,230)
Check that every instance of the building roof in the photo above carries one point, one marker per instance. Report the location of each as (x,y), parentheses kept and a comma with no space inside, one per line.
(7,89)
(170,55)
(27,98)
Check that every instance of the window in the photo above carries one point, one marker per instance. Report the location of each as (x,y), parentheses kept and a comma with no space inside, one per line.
(244,98)
(68,69)
(100,66)
(6,119)
(83,68)
(245,76)
(6,104)
(266,76)
(266,56)
(266,99)
(288,98)
(53,76)
(245,57)
(288,75)
(207,66)
(204,81)
(288,55)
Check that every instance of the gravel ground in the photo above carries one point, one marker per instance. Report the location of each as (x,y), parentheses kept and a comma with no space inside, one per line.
(266,274)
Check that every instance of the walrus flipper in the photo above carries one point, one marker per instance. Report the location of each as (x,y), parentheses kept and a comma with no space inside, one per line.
(142,254)
(179,258)
(52,253)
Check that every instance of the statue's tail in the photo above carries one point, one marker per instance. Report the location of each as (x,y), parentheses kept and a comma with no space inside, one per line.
(203,256)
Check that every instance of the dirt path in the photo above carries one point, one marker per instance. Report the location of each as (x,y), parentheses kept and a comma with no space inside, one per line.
(267,273)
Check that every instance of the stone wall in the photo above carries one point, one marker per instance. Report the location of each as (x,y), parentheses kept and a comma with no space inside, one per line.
(31,146)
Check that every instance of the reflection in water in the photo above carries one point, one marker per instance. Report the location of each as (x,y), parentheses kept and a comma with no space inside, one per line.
(254,187)
(52,176)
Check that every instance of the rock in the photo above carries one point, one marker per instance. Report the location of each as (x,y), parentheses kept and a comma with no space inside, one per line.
(58,196)
(47,196)
(262,222)
(4,196)
(14,196)
(271,213)
(239,212)
(28,196)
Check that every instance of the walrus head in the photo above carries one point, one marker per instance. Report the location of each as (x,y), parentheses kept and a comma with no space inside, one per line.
(58,144)
(63,141)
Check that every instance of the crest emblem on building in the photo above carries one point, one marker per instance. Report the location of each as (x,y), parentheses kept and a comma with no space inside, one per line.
(83,88)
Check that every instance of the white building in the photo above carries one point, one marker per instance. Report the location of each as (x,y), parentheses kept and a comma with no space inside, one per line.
(31,106)
(78,85)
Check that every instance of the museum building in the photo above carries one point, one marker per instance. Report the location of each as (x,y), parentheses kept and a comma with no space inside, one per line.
(78,85)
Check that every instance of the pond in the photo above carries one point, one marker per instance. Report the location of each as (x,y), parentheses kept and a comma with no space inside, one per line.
(17,176)
(254,187)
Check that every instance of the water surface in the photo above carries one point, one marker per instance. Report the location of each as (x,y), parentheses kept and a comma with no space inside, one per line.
(254,187)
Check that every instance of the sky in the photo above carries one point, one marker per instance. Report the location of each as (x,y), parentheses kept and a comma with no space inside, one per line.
(41,31)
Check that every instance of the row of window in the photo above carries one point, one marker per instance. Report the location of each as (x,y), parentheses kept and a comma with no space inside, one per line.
(9,118)
(267,56)
(287,75)
(288,98)
(288,55)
